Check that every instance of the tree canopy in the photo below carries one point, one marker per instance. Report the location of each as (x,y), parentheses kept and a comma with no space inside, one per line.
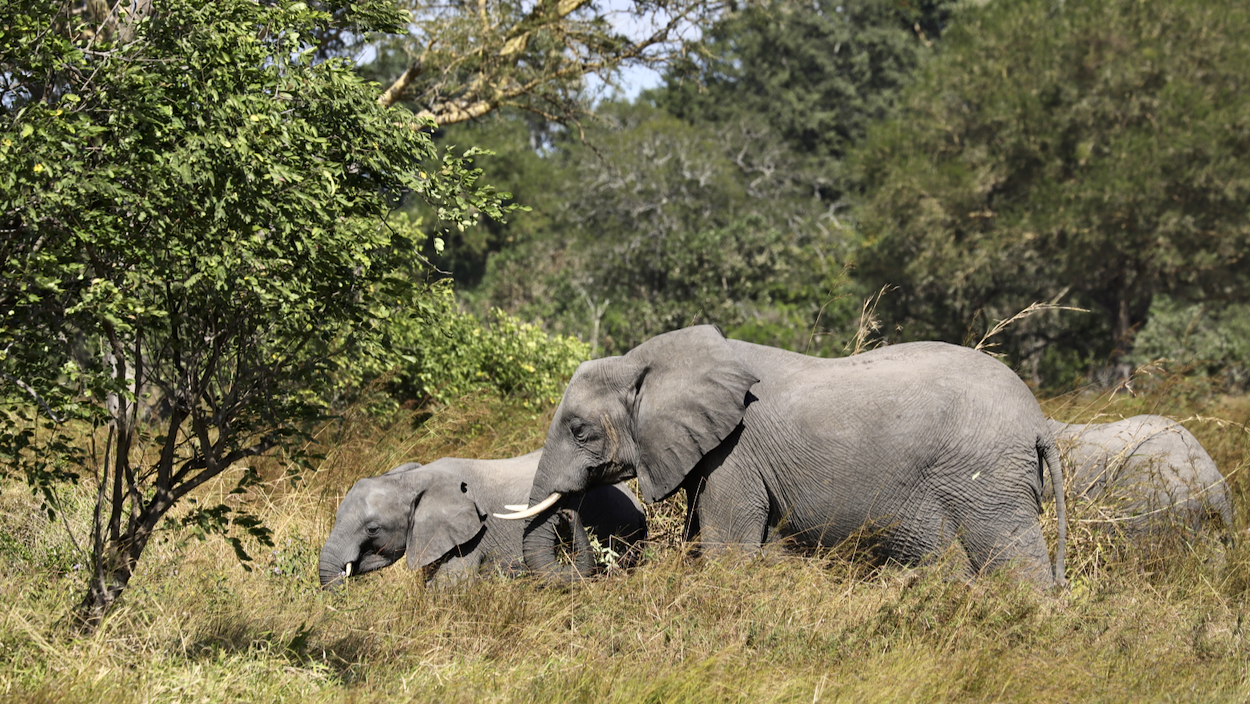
(197,214)
(717,196)
(1096,153)
(461,61)
(815,74)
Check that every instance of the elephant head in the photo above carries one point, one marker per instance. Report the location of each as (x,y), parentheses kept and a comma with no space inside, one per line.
(422,513)
(652,414)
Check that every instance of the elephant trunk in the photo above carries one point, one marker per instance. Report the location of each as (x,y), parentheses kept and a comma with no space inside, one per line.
(332,566)
(543,540)
(331,574)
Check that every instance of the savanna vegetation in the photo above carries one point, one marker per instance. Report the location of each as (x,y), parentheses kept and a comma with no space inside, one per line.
(1164,621)
(256,250)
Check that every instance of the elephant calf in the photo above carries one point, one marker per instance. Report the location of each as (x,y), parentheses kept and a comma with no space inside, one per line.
(1150,468)
(439,516)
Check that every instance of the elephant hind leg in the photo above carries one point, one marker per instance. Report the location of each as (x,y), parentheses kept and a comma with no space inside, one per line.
(1018,546)
(929,537)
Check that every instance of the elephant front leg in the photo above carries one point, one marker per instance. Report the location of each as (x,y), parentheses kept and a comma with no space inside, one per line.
(457,568)
(727,510)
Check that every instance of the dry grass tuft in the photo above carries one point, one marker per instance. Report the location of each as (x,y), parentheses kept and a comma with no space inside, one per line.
(986,346)
(1160,622)
(867,331)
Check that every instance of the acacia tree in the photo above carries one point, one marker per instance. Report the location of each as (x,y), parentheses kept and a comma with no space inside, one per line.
(1094,150)
(200,213)
(463,60)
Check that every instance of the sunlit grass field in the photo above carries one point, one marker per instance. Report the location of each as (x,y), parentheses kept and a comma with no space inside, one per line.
(1160,622)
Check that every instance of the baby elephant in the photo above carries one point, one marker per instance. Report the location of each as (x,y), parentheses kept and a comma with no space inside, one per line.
(441,516)
(1150,468)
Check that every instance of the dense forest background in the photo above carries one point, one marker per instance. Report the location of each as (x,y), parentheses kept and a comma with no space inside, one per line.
(962,160)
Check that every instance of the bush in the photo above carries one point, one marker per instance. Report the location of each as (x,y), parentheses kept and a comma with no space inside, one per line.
(441,353)
(1212,339)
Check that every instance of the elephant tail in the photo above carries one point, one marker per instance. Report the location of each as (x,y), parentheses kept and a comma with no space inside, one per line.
(1225,509)
(1047,450)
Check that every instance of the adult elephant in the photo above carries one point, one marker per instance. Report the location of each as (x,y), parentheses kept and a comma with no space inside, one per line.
(1150,471)
(926,444)
(438,516)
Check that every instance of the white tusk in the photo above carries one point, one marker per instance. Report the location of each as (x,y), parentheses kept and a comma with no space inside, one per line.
(516,507)
(348,573)
(532,511)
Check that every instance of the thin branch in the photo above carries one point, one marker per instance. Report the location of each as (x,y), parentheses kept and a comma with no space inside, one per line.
(182,489)
(396,89)
(35,395)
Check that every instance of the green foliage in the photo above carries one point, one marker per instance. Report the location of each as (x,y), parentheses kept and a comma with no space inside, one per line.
(1093,152)
(663,224)
(1212,338)
(448,353)
(715,198)
(524,163)
(200,214)
(463,61)
(815,74)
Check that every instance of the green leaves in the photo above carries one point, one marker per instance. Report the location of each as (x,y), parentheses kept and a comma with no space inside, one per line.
(197,216)
(1096,150)
(440,353)
(663,223)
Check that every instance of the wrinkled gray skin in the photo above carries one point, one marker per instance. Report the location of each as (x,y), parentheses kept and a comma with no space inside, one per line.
(1151,469)
(439,517)
(929,445)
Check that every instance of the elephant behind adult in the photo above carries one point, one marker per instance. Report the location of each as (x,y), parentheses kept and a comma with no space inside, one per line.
(1150,470)
(438,516)
(927,444)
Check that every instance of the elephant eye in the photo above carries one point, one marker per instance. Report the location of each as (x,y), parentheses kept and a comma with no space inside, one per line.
(373,530)
(579,431)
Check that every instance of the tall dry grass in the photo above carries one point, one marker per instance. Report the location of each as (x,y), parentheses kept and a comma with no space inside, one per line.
(1159,622)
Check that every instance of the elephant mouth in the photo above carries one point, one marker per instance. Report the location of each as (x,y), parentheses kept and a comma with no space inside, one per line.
(332,576)
(373,561)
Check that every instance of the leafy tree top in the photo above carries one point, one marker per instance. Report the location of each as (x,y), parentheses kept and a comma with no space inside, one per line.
(817,74)
(197,211)
(1098,150)
(461,61)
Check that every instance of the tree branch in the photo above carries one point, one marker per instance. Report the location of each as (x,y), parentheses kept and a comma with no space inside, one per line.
(396,90)
(35,395)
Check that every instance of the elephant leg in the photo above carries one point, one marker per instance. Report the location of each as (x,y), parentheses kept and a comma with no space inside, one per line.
(925,533)
(729,508)
(1013,541)
(457,568)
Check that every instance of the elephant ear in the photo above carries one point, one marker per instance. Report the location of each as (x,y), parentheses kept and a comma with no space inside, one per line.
(445,515)
(691,393)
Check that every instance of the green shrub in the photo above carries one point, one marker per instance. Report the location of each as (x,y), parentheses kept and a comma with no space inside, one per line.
(515,358)
(440,353)
(1212,339)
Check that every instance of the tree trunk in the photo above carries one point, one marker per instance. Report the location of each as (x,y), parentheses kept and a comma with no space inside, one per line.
(111,573)
(1127,306)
